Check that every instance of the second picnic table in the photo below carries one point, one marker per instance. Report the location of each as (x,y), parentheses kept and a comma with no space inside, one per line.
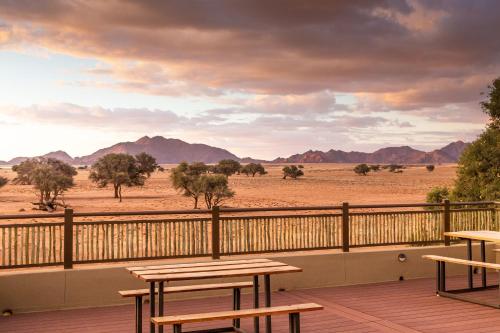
(159,274)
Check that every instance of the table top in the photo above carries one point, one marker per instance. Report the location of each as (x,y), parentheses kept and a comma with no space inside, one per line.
(211,269)
(486,235)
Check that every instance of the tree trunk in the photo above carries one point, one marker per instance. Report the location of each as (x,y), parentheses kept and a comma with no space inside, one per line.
(120,192)
(116,191)
(195,202)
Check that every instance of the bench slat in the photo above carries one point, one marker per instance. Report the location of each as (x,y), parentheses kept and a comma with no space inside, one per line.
(199,317)
(220,274)
(463,261)
(180,289)
(207,268)
(199,264)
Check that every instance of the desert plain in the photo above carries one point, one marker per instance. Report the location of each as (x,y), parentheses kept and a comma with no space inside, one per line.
(322,184)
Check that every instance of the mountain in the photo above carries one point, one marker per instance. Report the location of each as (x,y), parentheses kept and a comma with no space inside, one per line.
(402,155)
(175,151)
(164,150)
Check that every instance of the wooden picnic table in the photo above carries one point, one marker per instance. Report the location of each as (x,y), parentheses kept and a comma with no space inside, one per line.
(161,274)
(483,236)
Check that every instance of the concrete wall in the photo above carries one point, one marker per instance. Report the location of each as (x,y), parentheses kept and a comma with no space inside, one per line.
(97,285)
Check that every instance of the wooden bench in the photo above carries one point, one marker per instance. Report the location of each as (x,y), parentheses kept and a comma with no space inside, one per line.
(441,273)
(140,293)
(292,310)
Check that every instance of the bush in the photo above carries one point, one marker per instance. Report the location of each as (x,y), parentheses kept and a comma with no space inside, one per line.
(292,171)
(438,194)
(362,169)
(3,181)
(430,167)
(375,167)
(396,168)
(227,167)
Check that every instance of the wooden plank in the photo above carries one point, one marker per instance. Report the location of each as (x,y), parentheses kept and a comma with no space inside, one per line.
(207,268)
(181,289)
(220,274)
(200,317)
(463,261)
(199,264)
(486,235)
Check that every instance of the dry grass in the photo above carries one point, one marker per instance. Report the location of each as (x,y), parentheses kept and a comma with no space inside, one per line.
(323,184)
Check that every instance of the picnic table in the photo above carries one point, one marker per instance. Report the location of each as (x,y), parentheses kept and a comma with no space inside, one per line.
(483,236)
(161,274)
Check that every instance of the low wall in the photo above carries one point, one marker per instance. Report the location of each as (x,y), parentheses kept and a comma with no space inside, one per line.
(92,286)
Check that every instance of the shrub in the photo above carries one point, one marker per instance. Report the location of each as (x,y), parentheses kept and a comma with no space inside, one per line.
(437,194)
(375,167)
(3,181)
(292,171)
(362,169)
(430,167)
(396,168)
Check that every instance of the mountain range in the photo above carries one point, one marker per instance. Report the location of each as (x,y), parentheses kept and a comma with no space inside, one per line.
(167,150)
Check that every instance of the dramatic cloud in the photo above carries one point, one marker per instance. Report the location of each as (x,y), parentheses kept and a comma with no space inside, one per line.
(401,50)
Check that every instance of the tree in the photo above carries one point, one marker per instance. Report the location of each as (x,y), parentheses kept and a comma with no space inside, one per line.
(292,171)
(122,169)
(3,181)
(438,194)
(478,174)
(362,169)
(227,167)
(51,177)
(215,189)
(253,169)
(187,178)
(430,167)
(375,167)
(194,181)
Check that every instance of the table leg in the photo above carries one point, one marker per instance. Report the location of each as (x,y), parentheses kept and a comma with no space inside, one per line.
(267,288)
(469,257)
(483,259)
(160,304)
(151,306)
(256,321)
(138,314)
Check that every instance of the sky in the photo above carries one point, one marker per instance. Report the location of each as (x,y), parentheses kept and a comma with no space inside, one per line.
(259,78)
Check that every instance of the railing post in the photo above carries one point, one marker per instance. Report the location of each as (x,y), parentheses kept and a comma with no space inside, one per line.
(446,221)
(68,238)
(345,227)
(215,233)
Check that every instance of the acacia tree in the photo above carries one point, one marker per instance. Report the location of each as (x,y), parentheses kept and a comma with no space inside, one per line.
(122,170)
(186,178)
(478,174)
(51,177)
(215,189)
(227,167)
(430,167)
(3,181)
(293,171)
(362,169)
(253,169)
(194,181)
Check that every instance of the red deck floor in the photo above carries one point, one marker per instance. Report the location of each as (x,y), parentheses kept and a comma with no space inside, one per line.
(406,306)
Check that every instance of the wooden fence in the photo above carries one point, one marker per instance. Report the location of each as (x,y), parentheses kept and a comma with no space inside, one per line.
(69,238)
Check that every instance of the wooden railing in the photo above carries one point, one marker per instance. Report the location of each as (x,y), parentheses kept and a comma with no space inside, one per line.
(69,238)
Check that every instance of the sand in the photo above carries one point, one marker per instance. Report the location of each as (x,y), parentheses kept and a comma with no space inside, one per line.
(323,184)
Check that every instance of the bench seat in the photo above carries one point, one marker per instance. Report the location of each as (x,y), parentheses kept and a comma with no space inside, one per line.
(463,262)
(181,289)
(292,310)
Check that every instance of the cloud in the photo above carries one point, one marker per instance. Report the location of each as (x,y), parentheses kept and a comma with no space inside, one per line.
(401,52)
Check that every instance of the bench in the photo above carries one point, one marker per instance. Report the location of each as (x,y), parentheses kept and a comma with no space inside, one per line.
(140,293)
(293,312)
(440,268)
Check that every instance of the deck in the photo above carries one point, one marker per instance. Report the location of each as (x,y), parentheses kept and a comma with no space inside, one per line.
(402,306)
